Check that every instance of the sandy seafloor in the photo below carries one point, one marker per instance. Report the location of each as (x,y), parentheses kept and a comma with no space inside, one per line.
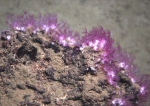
(128,20)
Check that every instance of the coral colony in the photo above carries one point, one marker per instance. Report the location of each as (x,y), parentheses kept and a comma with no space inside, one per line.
(113,60)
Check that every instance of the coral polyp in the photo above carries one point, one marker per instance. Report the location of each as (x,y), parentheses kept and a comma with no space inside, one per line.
(94,70)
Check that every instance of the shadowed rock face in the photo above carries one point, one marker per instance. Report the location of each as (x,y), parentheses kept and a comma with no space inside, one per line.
(37,70)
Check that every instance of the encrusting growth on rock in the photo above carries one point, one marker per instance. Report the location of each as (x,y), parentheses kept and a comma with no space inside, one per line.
(45,63)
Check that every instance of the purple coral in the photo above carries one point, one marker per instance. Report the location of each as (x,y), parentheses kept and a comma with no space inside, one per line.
(100,40)
(144,82)
(21,22)
(113,59)
(122,101)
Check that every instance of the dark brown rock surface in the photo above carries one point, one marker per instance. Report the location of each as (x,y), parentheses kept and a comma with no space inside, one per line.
(36,71)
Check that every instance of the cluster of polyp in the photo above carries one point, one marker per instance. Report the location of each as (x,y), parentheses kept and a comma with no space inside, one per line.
(113,60)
